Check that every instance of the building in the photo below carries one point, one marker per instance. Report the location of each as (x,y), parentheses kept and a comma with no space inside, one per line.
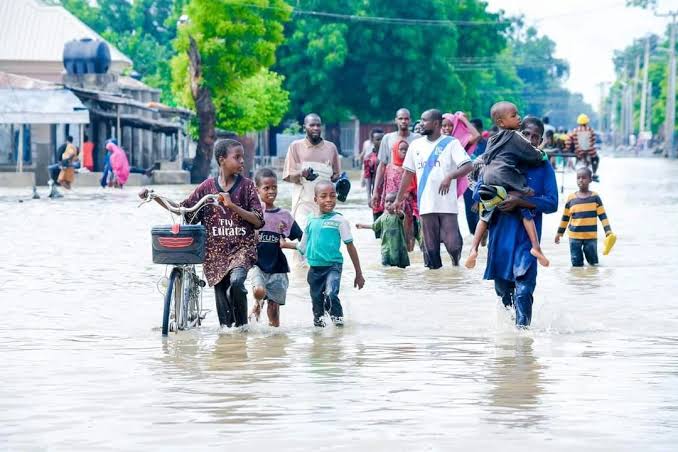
(30,112)
(32,39)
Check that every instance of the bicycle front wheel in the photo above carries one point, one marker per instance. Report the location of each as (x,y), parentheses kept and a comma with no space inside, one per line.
(192,298)
(169,298)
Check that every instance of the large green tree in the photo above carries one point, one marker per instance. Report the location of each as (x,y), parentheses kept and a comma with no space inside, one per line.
(343,67)
(223,52)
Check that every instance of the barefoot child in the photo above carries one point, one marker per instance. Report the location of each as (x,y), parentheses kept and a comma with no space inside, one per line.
(269,275)
(231,246)
(579,218)
(507,155)
(390,227)
(321,245)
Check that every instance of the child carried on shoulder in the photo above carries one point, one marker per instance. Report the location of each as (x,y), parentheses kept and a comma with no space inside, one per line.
(504,163)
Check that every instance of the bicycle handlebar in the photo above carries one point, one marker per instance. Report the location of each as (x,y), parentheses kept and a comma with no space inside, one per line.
(214,199)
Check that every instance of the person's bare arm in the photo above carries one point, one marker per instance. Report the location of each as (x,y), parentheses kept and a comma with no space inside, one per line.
(359,281)
(462,171)
(404,186)
(378,182)
(363,226)
(514,202)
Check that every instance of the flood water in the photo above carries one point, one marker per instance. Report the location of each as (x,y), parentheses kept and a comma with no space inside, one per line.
(428,360)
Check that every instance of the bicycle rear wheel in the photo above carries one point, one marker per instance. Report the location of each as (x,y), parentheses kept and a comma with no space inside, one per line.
(168,305)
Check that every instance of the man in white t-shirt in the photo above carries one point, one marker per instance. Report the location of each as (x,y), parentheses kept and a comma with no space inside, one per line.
(436,160)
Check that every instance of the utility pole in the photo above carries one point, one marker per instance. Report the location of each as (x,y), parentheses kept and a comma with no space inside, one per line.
(643,91)
(670,124)
(634,92)
(649,107)
(622,112)
(601,106)
(613,117)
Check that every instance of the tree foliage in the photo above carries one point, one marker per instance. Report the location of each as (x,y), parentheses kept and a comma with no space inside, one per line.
(342,67)
(624,63)
(237,43)
(368,69)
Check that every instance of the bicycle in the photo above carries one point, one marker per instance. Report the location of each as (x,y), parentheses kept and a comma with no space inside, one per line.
(181,245)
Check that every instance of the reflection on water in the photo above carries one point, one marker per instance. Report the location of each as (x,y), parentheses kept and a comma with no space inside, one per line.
(517,377)
(428,360)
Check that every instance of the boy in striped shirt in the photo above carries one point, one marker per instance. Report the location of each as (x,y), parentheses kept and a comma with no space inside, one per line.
(582,210)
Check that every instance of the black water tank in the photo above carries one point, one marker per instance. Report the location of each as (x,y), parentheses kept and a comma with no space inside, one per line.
(86,56)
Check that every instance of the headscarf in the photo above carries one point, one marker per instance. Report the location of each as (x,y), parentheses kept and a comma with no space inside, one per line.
(119,162)
(397,160)
(461,132)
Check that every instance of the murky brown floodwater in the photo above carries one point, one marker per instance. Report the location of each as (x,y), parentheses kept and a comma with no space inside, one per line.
(427,360)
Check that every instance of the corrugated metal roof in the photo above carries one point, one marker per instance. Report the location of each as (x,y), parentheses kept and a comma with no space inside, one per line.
(13,81)
(33,31)
(29,106)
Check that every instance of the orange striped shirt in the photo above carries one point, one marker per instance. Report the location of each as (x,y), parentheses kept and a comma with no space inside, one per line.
(580,217)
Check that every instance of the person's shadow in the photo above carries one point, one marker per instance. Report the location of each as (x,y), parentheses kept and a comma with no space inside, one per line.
(516,376)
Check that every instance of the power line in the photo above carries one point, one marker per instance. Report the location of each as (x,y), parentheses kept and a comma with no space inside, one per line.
(398,20)
(385,20)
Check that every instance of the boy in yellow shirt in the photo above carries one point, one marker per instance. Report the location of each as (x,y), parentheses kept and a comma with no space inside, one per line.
(580,218)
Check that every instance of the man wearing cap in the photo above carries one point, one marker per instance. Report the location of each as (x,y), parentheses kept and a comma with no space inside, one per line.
(583,140)
(309,161)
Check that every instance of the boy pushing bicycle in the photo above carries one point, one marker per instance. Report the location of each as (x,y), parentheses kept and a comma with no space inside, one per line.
(231,245)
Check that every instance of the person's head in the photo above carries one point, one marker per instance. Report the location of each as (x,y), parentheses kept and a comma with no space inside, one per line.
(85,137)
(431,122)
(416,128)
(584,177)
(447,126)
(403,146)
(325,196)
(375,136)
(69,139)
(505,115)
(478,124)
(267,185)
(545,120)
(403,119)
(549,137)
(582,119)
(533,129)
(313,127)
(230,155)
(389,201)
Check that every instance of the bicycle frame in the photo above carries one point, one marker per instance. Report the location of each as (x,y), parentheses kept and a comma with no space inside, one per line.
(183,299)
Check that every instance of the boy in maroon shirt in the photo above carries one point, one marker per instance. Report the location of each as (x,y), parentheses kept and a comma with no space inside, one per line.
(231,246)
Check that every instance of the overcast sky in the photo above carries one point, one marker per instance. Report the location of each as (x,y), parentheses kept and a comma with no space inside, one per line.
(587,32)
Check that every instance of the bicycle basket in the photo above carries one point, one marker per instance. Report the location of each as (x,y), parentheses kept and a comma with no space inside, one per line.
(178,244)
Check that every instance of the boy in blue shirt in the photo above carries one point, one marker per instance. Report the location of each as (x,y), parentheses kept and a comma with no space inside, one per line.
(321,245)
